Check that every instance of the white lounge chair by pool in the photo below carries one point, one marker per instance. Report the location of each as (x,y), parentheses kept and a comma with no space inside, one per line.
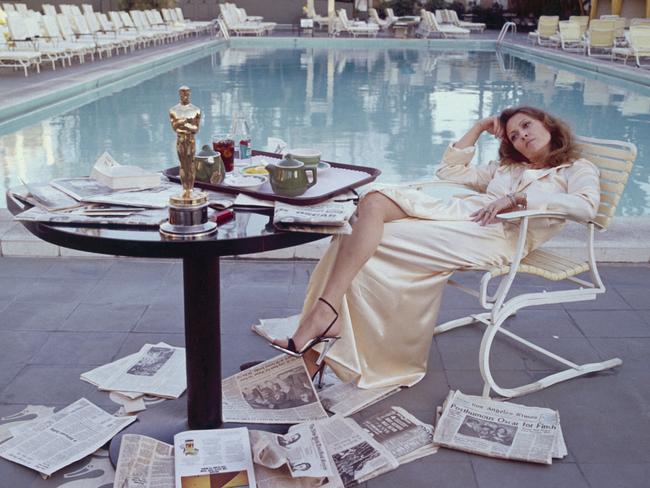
(24,33)
(354,28)
(237,27)
(18,58)
(429,26)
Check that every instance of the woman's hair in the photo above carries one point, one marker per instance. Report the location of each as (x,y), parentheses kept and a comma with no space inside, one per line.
(563,146)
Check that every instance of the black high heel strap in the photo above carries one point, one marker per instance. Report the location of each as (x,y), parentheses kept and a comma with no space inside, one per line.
(336,316)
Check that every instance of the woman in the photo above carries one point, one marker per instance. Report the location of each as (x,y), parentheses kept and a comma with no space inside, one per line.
(380,287)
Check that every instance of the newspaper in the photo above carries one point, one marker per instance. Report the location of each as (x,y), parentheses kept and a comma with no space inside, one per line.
(8,423)
(272,329)
(50,443)
(500,429)
(277,391)
(157,370)
(45,196)
(301,450)
(144,462)
(103,373)
(328,217)
(281,478)
(356,456)
(401,433)
(347,398)
(96,215)
(213,458)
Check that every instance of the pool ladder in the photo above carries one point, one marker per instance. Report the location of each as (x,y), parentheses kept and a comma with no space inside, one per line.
(504,30)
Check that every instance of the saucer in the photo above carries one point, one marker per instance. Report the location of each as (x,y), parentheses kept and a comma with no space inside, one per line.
(248,182)
(323,166)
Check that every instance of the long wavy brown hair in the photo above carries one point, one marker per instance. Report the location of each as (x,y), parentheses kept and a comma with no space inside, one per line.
(563,146)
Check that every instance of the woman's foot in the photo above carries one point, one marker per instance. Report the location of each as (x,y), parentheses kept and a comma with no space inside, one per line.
(320,321)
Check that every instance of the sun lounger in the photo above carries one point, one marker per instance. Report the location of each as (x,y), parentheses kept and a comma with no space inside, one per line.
(639,46)
(472,26)
(51,29)
(237,27)
(24,33)
(18,58)
(354,28)
(600,38)
(429,26)
(570,37)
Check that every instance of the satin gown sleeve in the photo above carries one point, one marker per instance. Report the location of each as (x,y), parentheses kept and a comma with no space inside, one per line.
(455,166)
(582,196)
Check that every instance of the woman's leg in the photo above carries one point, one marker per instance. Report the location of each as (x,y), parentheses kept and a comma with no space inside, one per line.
(355,249)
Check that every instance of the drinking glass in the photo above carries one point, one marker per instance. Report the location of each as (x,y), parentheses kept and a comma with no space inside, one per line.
(225,144)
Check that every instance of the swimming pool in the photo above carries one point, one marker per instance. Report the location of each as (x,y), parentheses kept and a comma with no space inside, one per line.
(393,108)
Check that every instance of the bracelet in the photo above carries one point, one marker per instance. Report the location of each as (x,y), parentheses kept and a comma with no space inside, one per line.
(512,199)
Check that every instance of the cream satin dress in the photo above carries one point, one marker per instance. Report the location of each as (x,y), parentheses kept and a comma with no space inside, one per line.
(389,312)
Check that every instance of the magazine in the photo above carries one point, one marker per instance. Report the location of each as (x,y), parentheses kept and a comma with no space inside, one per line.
(213,458)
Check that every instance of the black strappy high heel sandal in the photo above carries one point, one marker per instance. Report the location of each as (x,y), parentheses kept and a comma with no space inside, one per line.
(328,341)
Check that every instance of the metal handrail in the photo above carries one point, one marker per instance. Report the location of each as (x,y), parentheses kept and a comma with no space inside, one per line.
(504,31)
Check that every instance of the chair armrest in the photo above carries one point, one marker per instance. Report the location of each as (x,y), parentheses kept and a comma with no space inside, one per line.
(425,183)
(534,214)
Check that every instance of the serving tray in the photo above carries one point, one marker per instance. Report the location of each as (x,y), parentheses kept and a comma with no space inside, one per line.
(338,179)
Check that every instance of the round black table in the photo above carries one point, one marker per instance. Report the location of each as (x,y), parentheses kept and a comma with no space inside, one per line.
(249,232)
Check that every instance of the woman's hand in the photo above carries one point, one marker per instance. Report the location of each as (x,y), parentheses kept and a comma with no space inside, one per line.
(492,126)
(487,215)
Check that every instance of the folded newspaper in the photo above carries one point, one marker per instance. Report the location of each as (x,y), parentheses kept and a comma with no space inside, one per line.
(144,462)
(50,443)
(328,217)
(157,369)
(500,429)
(277,391)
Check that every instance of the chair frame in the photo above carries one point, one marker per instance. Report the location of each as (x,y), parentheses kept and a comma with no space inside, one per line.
(615,160)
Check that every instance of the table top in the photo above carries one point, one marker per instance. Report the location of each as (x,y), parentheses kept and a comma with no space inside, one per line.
(250,231)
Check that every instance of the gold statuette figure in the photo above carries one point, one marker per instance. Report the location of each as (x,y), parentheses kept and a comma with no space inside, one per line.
(185,119)
(188,212)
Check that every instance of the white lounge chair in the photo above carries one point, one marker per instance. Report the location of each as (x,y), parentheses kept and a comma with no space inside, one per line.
(472,26)
(239,28)
(354,28)
(639,46)
(615,160)
(203,25)
(374,18)
(53,33)
(546,33)
(429,26)
(24,32)
(571,38)
(108,27)
(68,35)
(318,19)
(18,58)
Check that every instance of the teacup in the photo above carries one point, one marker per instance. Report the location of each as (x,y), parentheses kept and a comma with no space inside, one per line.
(310,157)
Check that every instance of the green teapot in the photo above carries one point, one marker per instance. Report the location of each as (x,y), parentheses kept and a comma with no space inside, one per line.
(289,177)
(209,166)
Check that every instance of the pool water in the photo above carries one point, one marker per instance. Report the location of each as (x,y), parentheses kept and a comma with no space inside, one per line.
(394,109)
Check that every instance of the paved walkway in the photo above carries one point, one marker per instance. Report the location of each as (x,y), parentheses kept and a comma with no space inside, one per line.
(61,317)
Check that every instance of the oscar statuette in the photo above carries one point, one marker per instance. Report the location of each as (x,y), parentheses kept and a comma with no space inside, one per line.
(188,212)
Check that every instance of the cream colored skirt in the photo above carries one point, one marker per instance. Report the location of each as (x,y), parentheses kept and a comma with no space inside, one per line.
(390,310)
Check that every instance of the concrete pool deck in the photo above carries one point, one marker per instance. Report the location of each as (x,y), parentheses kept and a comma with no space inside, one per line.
(626,241)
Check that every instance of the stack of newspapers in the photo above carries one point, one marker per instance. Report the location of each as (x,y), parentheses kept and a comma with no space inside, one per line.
(155,370)
(328,217)
(500,429)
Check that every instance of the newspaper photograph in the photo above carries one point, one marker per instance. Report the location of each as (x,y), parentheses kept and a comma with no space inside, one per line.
(157,370)
(499,429)
(356,456)
(405,437)
(213,458)
(347,398)
(144,462)
(281,478)
(301,450)
(81,188)
(277,391)
(50,443)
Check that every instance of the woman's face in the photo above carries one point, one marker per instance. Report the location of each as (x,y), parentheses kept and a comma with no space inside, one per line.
(529,136)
